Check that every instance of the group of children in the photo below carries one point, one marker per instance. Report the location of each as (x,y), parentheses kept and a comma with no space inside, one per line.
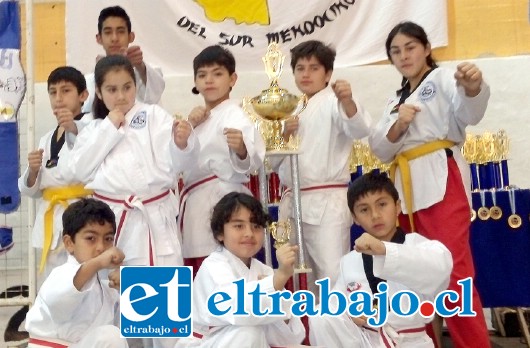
(128,152)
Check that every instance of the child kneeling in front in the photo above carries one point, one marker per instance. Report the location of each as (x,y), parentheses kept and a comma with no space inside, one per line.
(406,262)
(74,307)
(237,223)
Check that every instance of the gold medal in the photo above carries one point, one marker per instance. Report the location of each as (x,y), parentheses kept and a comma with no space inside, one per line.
(473,215)
(515,221)
(483,213)
(495,212)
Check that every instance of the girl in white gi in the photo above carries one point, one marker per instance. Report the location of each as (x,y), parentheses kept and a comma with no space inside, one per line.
(130,156)
(115,35)
(74,307)
(422,130)
(327,128)
(231,149)
(42,179)
(237,223)
(405,261)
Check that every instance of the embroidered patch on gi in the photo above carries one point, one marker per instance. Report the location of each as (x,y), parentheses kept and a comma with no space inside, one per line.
(353,286)
(428,91)
(139,120)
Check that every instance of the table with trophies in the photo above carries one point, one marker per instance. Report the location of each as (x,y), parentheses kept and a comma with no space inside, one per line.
(500,228)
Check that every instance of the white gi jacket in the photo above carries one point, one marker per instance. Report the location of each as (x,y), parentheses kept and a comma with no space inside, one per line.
(215,158)
(136,162)
(419,265)
(148,94)
(326,138)
(445,113)
(47,177)
(62,312)
(217,273)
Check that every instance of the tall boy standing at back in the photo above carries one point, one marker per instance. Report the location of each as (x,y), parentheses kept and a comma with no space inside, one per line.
(115,35)
(327,128)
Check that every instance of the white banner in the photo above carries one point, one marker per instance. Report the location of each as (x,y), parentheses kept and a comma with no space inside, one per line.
(172,32)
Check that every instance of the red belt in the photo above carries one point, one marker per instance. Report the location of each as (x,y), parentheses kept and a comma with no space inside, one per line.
(128,203)
(390,343)
(318,187)
(45,343)
(183,195)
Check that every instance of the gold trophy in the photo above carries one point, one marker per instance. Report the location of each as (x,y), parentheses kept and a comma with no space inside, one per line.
(275,104)
(281,232)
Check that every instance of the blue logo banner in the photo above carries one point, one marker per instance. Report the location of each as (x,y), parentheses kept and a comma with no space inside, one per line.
(156,301)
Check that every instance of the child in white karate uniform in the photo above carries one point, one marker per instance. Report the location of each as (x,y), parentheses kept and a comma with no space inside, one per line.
(327,127)
(384,253)
(231,149)
(74,307)
(237,223)
(42,179)
(130,155)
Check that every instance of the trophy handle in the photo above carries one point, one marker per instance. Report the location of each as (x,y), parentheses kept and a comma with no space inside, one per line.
(302,103)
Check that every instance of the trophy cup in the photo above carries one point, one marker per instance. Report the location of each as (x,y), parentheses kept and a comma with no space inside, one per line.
(281,232)
(276,104)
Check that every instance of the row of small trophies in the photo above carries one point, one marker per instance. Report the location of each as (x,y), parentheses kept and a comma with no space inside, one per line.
(487,155)
(363,160)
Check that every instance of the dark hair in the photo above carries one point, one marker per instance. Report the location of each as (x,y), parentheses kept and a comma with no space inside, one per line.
(113,11)
(231,203)
(68,74)
(412,30)
(369,183)
(214,55)
(104,66)
(325,54)
(86,211)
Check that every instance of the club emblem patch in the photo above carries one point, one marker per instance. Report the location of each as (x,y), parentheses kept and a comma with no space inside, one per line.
(139,120)
(428,91)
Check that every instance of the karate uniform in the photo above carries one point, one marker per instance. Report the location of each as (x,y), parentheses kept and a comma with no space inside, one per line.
(148,94)
(440,182)
(226,171)
(133,169)
(217,273)
(48,178)
(418,265)
(75,318)
(326,138)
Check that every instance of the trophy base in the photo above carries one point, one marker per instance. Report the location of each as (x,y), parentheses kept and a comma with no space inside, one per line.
(276,152)
(302,269)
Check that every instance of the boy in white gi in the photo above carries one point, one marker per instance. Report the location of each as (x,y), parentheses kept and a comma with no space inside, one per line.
(238,223)
(42,180)
(115,35)
(74,307)
(384,253)
(231,149)
(327,128)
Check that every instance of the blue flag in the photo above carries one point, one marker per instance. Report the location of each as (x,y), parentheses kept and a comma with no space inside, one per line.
(12,89)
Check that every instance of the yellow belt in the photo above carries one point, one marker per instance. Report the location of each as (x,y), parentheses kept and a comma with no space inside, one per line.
(402,161)
(54,196)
